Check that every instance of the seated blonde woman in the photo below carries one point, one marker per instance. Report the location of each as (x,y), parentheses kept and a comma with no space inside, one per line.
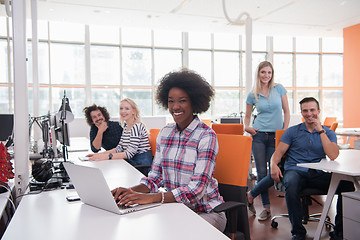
(134,144)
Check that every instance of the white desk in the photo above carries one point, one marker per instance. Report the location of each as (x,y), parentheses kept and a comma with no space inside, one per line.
(348,132)
(49,216)
(345,167)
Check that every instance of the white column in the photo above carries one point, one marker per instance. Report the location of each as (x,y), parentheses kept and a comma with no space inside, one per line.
(87,66)
(185,45)
(35,67)
(248,51)
(21,113)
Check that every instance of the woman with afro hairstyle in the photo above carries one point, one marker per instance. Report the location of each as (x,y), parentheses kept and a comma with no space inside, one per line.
(186,151)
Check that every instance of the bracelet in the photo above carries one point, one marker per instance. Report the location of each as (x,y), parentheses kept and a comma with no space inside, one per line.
(162,198)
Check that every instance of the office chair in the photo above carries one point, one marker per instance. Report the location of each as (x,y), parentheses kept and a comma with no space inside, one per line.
(328,121)
(334,126)
(207,122)
(144,169)
(306,193)
(228,128)
(152,139)
(232,164)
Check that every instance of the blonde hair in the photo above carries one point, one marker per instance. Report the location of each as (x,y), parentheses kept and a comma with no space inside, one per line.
(135,107)
(257,85)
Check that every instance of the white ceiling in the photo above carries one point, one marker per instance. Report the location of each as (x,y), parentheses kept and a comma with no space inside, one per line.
(270,17)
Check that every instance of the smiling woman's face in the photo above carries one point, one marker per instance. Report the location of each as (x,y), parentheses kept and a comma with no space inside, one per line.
(127,113)
(180,108)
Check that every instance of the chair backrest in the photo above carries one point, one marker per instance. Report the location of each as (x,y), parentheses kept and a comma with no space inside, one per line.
(207,122)
(152,139)
(334,126)
(228,128)
(279,186)
(278,135)
(328,121)
(232,162)
(232,167)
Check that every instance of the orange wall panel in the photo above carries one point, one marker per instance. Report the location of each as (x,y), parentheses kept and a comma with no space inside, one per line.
(351,94)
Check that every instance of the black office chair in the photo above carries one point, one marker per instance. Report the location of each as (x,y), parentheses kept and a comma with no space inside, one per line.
(306,199)
(232,164)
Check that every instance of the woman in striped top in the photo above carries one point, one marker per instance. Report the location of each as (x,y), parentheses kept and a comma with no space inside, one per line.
(134,143)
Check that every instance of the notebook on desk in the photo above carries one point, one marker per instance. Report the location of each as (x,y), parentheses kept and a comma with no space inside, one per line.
(93,189)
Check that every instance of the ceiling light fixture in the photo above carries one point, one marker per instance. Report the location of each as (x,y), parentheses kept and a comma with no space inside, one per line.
(239,20)
(248,51)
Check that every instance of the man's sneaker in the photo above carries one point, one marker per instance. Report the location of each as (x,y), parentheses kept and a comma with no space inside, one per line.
(264,215)
(251,207)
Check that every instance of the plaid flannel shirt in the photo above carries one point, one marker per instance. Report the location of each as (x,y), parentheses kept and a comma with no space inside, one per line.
(184,164)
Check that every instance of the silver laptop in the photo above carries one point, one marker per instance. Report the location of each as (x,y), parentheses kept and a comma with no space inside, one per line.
(93,190)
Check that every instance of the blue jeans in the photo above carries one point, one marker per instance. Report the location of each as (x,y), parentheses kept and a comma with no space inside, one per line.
(263,147)
(144,158)
(295,181)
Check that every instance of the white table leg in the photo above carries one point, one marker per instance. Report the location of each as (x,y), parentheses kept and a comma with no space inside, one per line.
(334,183)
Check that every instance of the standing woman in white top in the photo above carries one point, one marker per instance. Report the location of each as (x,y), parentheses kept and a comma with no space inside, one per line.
(134,144)
(270,101)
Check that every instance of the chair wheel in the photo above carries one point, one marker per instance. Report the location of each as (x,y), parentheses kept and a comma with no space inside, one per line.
(274,224)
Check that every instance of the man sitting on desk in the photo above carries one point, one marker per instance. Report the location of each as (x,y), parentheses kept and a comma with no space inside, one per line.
(103,132)
(304,143)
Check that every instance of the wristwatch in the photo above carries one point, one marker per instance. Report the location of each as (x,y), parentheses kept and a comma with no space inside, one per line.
(321,131)
(110,156)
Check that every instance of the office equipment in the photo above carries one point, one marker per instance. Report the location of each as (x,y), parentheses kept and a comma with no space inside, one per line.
(61,119)
(65,114)
(61,131)
(306,193)
(228,128)
(232,164)
(329,121)
(6,128)
(53,142)
(351,215)
(93,190)
(6,125)
(7,207)
(207,121)
(345,167)
(84,158)
(231,120)
(334,126)
(153,135)
(73,198)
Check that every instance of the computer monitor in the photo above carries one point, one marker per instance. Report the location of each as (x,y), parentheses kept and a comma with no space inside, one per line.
(6,126)
(60,129)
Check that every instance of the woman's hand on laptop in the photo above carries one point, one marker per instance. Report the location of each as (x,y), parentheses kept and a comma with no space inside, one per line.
(127,197)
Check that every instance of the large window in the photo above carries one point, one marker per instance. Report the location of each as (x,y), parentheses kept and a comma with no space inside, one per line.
(104,64)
